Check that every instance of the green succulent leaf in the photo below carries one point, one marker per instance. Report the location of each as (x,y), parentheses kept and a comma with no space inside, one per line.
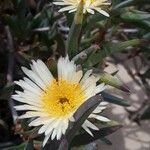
(146,114)
(113,81)
(138,18)
(81,115)
(72,43)
(115,100)
(130,3)
(108,49)
(18,147)
(85,138)
(29,145)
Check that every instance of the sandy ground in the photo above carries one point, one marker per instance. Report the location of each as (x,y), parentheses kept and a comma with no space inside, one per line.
(131,136)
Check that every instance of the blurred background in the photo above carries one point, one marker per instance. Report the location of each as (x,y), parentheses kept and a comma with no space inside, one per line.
(32,29)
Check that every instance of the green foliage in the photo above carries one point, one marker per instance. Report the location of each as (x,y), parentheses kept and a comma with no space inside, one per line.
(72,43)
(82,139)
(115,100)
(81,115)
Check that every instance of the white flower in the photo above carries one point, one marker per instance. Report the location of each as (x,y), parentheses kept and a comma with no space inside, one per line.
(52,102)
(89,6)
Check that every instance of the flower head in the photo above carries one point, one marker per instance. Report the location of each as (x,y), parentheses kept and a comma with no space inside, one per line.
(51,102)
(88,6)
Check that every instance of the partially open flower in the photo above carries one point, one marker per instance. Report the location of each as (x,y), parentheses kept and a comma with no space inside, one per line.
(89,6)
(52,102)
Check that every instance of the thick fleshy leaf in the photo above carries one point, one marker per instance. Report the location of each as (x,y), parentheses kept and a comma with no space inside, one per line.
(63,145)
(106,141)
(74,34)
(18,147)
(113,81)
(29,145)
(115,100)
(138,18)
(108,49)
(146,114)
(81,115)
(130,3)
(85,138)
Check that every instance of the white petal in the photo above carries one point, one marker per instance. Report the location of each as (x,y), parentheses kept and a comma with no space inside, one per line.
(39,121)
(41,69)
(90,11)
(100,88)
(46,139)
(32,84)
(101,118)
(72,119)
(66,69)
(20,99)
(60,3)
(53,125)
(101,11)
(103,103)
(27,107)
(77,76)
(26,86)
(45,126)
(86,76)
(33,76)
(65,125)
(31,114)
(87,129)
(98,109)
(66,8)
(59,133)
(73,10)
(90,125)
(53,134)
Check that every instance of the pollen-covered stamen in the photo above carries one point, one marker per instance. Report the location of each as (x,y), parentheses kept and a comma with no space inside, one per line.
(62,101)
(62,98)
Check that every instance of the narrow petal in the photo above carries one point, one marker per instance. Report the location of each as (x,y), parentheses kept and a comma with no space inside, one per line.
(98,109)
(65,125)
(45,126)
(34,77)
(27,86)
(101,11)
(41,69)
(32,84)
(101,118)
(66,69)
(39,121)
(46,139)
(100,88)
(31,114)
(54,133)
(53,125)
(19,99)
(60,3)
(59,133)
(27,107)
(86,76)
(87,129)
(90,125)
(67,8)
(73,10)
(90,11)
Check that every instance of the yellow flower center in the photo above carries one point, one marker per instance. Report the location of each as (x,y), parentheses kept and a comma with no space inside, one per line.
(62,98)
